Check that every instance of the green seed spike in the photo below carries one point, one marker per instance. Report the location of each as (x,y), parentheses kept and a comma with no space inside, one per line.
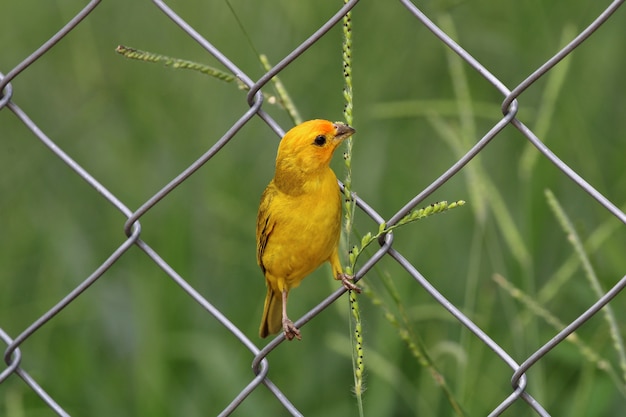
(140,55)
(365,240)
(352,257)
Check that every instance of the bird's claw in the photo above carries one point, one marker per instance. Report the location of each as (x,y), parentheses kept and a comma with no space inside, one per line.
(290,330)
(347,281)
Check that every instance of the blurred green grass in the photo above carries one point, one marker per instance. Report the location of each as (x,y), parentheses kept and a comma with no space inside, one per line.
(135,345)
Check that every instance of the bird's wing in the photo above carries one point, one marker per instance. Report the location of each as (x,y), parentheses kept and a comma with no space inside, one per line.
(264,223)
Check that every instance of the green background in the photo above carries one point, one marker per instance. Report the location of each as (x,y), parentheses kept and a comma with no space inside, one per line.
(134,344)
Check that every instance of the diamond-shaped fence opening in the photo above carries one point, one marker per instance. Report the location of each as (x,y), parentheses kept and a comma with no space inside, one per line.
(129,196)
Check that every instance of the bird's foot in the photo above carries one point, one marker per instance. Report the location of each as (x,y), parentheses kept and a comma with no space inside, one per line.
(347,281)
(290,330)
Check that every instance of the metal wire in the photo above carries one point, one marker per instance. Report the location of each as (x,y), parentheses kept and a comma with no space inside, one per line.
(13,356)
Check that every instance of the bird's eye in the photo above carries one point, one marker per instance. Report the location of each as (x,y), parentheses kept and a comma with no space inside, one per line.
(320,140)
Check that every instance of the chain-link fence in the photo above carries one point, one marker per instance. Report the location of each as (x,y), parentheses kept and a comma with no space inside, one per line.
(24,366)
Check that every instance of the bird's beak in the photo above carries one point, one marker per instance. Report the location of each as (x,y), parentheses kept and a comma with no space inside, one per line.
(342,131)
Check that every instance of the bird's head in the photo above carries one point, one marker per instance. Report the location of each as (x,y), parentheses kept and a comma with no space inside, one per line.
(310,145)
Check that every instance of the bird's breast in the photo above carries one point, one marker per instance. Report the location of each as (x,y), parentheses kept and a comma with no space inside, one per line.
(306,230)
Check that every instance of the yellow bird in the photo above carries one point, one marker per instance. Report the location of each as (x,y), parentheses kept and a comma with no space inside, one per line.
(299,220)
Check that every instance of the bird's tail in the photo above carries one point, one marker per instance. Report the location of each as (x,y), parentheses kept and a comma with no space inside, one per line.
(272,314)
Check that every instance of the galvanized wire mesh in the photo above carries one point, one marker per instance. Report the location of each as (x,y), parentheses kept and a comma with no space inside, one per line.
(521,390)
